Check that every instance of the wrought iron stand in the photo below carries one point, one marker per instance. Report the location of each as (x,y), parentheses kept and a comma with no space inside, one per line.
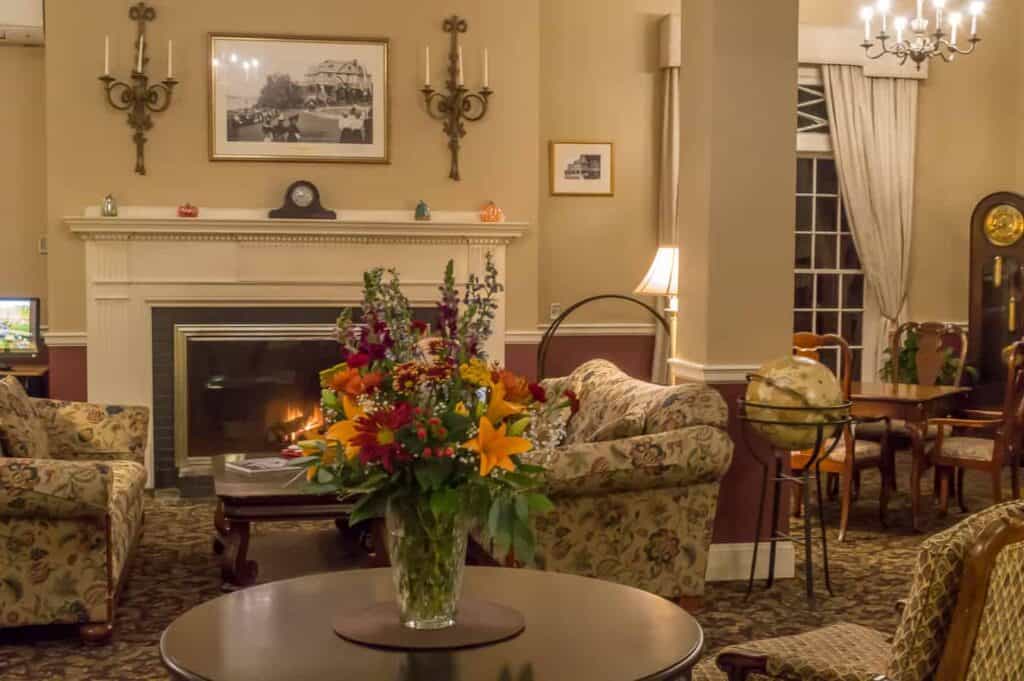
(819,453)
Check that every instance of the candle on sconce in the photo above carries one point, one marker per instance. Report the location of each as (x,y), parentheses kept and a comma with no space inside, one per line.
(954,21)
(487,78)
(920,10)
(106,55)
(977,8)
(939,6)
(142,46)
(461,76)
(866,15)
(901,25)
(170,59)
(426,67)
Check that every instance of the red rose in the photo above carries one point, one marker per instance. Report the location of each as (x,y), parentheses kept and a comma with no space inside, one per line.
(574,402)
(357,360)
(419,327)
(539,395)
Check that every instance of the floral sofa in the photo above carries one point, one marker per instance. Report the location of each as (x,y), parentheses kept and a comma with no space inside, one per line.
(635,482)
(71,508)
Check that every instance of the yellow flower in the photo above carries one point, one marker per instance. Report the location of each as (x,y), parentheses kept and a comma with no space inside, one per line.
(344,431)
(476,372)
(461,409)
(495,448)
(498,408)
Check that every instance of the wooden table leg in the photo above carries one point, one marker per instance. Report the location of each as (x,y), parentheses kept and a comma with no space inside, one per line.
(220,525)
(918,466)
(235,568)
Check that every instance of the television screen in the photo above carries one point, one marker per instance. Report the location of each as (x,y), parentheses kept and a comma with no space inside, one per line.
(19,326)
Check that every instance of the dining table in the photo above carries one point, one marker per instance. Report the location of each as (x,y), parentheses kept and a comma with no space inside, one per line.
(914,405)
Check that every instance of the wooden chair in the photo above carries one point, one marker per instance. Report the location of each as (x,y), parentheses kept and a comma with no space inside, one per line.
(961,620)
(988,454)
(853,454)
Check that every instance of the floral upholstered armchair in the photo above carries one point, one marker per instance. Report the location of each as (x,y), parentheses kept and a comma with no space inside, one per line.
(71,508)
(962,620)
(635,482)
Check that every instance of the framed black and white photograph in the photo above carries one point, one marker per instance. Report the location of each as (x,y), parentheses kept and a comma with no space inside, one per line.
(284,98)
(582,169)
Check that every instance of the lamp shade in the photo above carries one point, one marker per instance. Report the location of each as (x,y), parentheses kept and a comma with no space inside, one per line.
(662,279)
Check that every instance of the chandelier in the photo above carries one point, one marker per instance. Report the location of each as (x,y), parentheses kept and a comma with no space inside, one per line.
(911,38)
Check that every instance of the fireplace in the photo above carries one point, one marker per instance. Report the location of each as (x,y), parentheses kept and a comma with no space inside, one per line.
(246,387)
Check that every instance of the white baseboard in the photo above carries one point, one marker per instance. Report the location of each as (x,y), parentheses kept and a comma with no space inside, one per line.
(731,562)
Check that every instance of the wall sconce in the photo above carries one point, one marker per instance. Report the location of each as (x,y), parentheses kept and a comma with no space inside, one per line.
(139,98)
(458,104)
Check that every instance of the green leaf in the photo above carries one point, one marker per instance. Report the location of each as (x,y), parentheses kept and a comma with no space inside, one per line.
(522,508)
(522,543)
(539,504)
(329,399)
(494,517)
(444,502)
(528,467)
(519,480)
(519,427)
(370,506)
(431,474)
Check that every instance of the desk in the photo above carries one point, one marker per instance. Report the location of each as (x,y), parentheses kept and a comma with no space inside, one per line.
(914,404)
(33,376)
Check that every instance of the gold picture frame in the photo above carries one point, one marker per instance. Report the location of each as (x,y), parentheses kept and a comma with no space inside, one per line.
(581,168)
(330,102)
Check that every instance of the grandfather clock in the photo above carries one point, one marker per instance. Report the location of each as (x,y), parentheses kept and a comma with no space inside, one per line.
(997,290)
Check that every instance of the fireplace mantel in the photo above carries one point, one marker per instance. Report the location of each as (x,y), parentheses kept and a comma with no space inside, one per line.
(147,258)
(363,226)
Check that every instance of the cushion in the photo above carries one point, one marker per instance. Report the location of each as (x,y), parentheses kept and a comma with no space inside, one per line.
(862,450)
(921,635)
(967,448)
(22,431)
(629,423)
(126,499)
(999,648)
(841,652)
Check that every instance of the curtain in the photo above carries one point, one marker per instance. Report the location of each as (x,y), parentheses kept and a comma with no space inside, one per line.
(874,140)
(668,204)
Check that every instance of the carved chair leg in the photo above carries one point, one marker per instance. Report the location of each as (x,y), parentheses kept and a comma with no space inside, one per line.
(943,478)
(1015,476)
(96,633)
(845,501)
(961,494)
(997,486)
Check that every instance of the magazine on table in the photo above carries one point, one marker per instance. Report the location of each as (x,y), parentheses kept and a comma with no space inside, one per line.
(269,464)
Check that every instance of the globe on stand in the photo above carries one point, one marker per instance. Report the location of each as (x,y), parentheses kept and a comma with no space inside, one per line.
(788,398)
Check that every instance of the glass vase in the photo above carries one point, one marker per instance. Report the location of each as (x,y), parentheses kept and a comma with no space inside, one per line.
(428,557)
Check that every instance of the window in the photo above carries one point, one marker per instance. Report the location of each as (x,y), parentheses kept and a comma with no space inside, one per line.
(828,278)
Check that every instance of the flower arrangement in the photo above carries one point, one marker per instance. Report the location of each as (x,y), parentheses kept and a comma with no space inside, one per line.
(424,431)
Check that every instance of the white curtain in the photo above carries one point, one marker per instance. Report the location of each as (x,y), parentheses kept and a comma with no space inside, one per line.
(874,140)
(668,204)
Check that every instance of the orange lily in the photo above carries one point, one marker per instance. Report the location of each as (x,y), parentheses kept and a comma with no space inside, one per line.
(344,431)
(495,448)
(498,408)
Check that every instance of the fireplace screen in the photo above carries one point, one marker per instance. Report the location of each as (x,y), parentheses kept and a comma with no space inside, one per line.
(247,389)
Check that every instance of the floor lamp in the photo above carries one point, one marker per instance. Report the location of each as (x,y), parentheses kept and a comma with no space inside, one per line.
(662,280)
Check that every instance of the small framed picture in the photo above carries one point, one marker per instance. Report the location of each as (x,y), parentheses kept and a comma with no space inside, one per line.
(582,169)
(289,98)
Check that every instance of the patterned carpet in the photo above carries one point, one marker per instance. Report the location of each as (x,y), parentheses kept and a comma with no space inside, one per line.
(175,570)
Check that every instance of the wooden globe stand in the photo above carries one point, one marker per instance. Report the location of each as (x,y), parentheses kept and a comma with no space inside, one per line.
(821,450)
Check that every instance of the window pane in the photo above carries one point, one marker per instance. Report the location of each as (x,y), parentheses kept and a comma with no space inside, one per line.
(853,327)
(848,259)
(853,290)
(844,221)
(803,291)
(826,214)
(828,181)
(804,220)
(857,361)
(804,176)
(803,251)
(825,251)
(828,290)
(827,322)
(802,321)
(829,357)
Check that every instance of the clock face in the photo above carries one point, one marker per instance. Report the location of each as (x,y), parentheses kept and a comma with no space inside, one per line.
(302,195)
(1004,225)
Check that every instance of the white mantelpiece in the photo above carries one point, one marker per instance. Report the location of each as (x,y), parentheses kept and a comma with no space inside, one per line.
(146,257)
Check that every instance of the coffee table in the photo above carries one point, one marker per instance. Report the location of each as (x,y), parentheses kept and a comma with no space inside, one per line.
(577,628)
(245,498)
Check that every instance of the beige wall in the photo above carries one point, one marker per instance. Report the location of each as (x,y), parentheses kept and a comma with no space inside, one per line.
(22,172)
(970,133)
(90,151)
(600,81)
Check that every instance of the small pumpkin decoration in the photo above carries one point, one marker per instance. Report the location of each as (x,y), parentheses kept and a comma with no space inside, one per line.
(188,211)
(491,213)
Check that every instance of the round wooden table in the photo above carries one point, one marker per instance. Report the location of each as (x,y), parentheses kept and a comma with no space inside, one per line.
(576,629)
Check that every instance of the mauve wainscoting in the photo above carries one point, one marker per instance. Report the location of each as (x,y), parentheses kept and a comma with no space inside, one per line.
(68,373)
(632,353)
